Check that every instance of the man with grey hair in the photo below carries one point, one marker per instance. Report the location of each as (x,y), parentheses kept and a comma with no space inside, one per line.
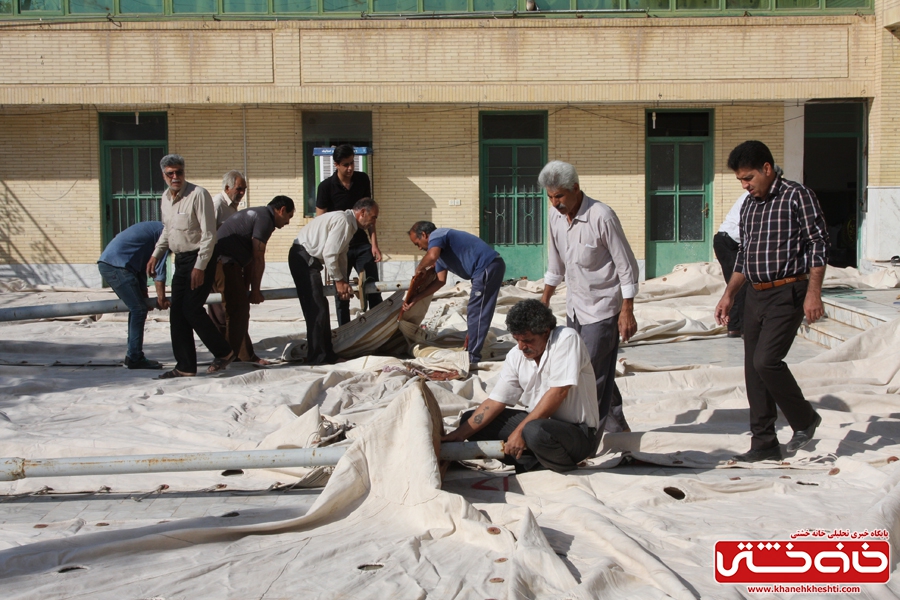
(322,244)
(189,231)
(588,249)
(234,186)
(549,373)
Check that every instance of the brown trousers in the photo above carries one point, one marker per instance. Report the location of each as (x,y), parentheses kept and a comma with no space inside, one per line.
(235,288)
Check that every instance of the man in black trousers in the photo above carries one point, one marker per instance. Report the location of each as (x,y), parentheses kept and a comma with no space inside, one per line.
(189,231)
(342,191)
(782,256)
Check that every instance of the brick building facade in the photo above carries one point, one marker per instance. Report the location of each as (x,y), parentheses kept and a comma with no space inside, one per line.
(251,95)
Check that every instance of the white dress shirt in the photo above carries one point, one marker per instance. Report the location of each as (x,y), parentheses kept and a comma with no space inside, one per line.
(327,238)
(594,257)
(565,361)
(732,223)
(224,207)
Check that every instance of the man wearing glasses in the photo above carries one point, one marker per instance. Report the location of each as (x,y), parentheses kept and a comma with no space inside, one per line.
(189,231)
(341,192)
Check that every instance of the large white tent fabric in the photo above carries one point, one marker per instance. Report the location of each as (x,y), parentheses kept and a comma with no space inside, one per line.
(608,530)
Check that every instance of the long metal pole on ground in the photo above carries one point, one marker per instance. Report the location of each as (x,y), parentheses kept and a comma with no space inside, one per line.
(99,307)
(12,469)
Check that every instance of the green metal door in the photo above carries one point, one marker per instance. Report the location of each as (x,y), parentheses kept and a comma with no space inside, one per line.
(131,180)
(513,206)
(679,185)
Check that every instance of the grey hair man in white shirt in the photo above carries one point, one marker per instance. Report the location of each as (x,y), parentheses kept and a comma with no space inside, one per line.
(322,244)
(549,373)
(226,202)
(587,247)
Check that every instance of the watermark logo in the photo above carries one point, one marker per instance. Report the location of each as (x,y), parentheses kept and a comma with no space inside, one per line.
(824,561)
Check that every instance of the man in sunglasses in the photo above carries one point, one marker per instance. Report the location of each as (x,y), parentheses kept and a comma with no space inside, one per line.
(189,230)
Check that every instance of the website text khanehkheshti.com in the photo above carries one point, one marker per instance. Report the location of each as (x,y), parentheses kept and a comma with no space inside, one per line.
(803,588)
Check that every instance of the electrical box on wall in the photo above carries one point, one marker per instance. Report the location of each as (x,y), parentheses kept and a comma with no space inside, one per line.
(362,162)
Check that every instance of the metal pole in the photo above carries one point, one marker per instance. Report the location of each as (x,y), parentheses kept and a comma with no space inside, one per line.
(99,307)
(12,469)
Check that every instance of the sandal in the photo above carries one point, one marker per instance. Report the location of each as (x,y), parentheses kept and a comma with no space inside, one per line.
(174,373)
(220,364)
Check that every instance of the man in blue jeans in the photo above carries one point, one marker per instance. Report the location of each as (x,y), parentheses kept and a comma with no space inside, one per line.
(468,257)
(123,265)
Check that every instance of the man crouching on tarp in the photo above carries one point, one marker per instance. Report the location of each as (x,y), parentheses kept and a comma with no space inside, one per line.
(550,374)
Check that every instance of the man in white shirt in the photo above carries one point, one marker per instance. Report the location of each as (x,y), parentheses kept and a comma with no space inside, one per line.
(549,373)
(588,248)
(226,202)
(323,243)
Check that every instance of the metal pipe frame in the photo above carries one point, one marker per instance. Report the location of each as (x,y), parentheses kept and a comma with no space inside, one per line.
(99,307)
(12,469)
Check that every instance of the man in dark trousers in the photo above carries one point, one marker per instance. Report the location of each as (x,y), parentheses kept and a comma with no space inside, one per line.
(242,262)
(587,249)
(122,266)
(782,255)
(189,232)
(322,244)
(468,257)
(342,191)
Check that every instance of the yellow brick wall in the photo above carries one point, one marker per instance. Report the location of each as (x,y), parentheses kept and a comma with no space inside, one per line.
(49,186)
(606,146)
(884,116)
(424,158)
(212,143)
(735,124)
(439,61)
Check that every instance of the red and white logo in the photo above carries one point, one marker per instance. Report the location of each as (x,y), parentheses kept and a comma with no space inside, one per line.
(795,561)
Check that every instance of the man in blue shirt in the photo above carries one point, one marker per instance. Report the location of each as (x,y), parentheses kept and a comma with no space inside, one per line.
(468,257)
(123,265)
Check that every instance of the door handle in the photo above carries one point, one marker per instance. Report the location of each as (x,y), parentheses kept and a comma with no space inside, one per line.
(706,211)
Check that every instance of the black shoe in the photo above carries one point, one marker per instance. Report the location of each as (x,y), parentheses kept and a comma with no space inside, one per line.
(735,333)
(142,363)
(804,436)
(773,453)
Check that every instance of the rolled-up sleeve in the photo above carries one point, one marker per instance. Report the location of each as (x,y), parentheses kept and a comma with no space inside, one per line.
(206,217)
(623,258)
(556,264)
(813,227)
(507,389)
(334,254)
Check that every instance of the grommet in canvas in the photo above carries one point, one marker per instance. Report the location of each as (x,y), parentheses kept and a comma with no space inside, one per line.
(493,530)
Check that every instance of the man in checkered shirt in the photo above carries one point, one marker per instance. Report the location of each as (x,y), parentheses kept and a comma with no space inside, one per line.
(783,253)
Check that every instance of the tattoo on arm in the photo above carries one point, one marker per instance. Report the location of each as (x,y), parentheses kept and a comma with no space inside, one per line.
(480,416)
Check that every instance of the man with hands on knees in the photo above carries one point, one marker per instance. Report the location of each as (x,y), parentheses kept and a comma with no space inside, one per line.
(122,266)
(549,373)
